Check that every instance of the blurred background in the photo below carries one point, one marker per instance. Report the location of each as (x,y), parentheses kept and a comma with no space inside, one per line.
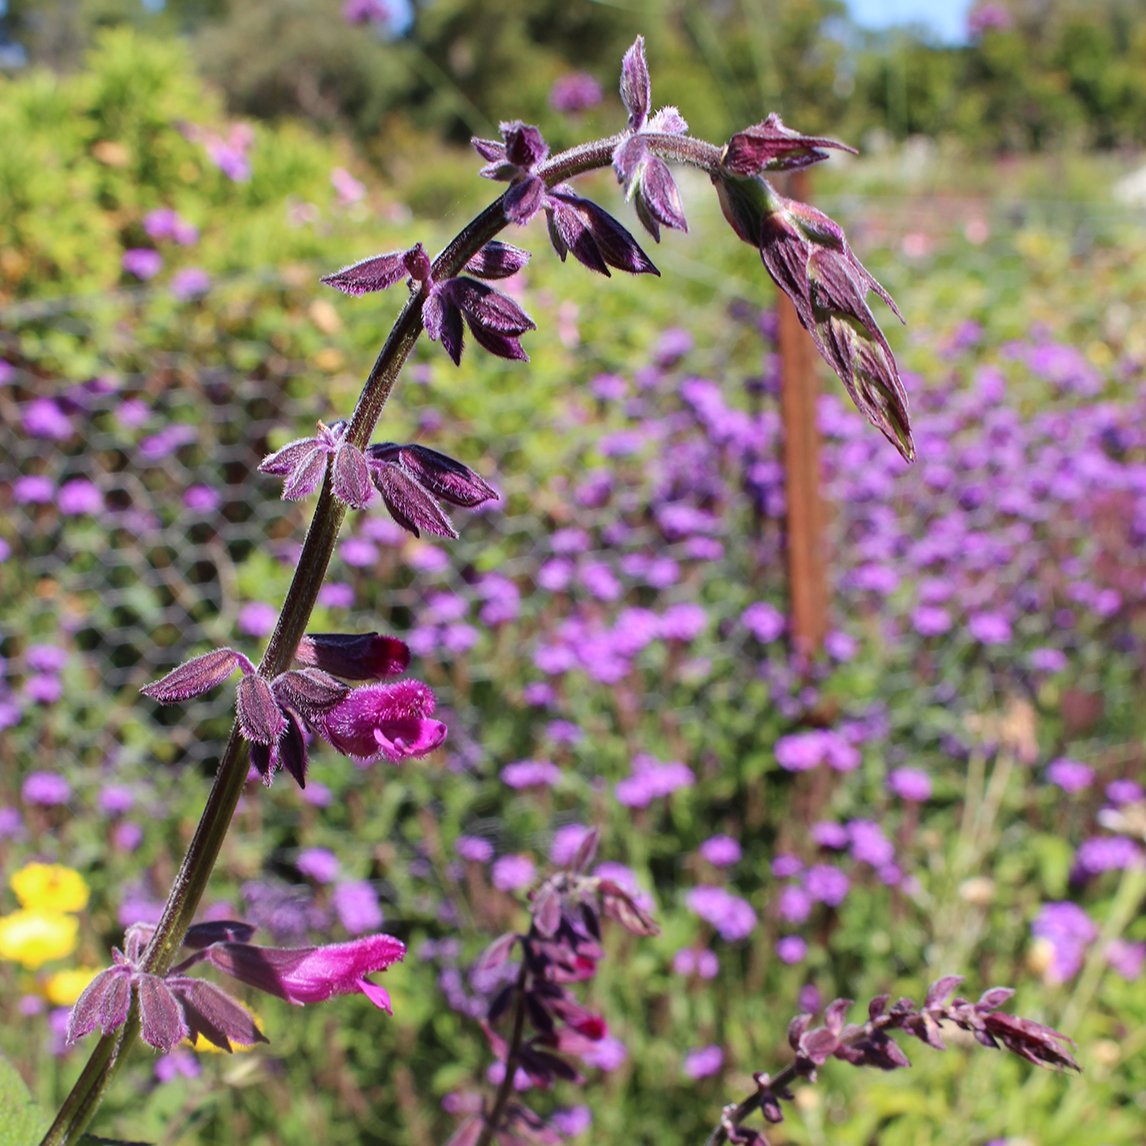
(952,784)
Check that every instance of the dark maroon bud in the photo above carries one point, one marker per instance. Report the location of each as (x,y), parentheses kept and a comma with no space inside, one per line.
(292,750)
(499,1004)
(877,1006)
(260,720)
(198,675)
(217,931)
(354,656)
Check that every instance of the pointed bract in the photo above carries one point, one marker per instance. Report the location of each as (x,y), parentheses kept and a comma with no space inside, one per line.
(444,477)
(161,1021)
(212,1013)
(375,273)
(636,89)
(198,675)
(497,260)
(593,236)
(351,477)
(409,504)
(770,146)
(260,720)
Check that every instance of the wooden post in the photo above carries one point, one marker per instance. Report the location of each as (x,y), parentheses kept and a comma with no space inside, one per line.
(806,548)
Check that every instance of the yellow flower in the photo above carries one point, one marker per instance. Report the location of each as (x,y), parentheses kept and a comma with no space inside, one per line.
(33,938)
(63,988)
(50,887)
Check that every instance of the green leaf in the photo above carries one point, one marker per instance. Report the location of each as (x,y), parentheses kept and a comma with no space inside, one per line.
(22,1121)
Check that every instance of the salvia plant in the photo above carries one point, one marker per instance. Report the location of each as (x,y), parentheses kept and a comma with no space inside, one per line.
(351,689)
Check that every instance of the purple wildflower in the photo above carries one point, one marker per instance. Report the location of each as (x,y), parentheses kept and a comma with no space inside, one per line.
(513,873)
(43,418)
(1107,853)
(567,841)
(45,790)
(703,1061)
(1070,775)
(791,949)
(574,93)
(910,784)
(703,963)
(826,884)
(319,864)
(356,905)
(764,621)
(720,851)
(1068,931)
(989,628)
(142,262)
(1127,958)
(531,774)
(732,916)
(189,282)
(474,849)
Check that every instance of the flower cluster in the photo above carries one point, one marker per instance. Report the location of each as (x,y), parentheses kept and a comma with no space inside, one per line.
(412,479)
(379,721)
(494,319)
(577,226)
(870,1044)
(176,1006)
(562,947)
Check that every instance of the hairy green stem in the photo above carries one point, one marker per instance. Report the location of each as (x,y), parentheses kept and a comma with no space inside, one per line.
(190,884)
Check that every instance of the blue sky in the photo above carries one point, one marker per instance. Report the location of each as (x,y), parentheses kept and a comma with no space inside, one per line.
(948,18)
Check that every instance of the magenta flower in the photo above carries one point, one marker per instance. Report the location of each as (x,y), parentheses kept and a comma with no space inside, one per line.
(372,722)
(304,975)
(384,722)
